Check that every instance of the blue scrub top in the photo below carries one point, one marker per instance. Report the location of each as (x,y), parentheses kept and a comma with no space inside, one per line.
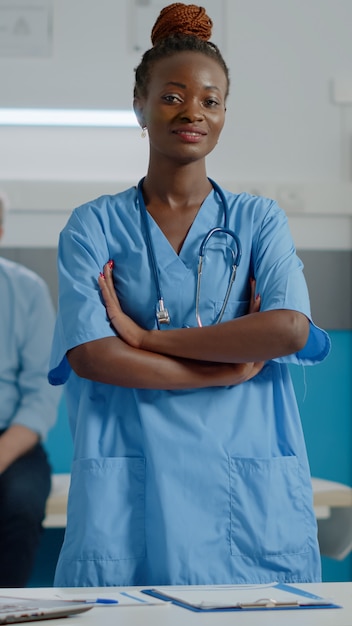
(206,486)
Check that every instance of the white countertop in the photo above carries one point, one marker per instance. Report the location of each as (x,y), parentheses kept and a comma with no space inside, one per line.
(171,615)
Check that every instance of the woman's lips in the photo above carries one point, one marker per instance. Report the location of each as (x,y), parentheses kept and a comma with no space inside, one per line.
(189,135)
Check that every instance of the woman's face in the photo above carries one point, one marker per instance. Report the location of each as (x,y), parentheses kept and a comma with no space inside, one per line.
(184,110)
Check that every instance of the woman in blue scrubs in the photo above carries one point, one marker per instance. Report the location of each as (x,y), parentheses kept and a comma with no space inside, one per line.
(189,463)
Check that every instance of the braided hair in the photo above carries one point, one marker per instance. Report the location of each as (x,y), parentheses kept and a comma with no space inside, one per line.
(178,28)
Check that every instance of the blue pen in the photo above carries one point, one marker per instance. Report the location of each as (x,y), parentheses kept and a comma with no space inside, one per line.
(95,601)
(102,601)
(92,601)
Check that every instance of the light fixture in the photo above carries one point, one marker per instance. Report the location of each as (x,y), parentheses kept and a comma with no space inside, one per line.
(67,117)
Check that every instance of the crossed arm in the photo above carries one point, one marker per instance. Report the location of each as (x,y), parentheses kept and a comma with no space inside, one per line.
(225,354)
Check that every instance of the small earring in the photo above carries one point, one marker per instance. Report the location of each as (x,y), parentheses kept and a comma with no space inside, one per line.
(144,132)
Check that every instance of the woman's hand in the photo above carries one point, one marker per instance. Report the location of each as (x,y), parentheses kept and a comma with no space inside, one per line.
(126,328)
(249,370)
(224,374)
(254,303)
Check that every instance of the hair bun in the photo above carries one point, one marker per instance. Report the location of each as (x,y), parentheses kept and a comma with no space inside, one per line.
(185,19)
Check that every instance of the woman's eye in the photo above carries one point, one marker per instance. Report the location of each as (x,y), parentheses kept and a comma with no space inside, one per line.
(171,98)
(211,103)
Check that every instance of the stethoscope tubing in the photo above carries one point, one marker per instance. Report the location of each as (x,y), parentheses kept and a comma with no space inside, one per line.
(162,313)
(223,231)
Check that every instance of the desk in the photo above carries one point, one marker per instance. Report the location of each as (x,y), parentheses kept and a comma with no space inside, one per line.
(171,615)
(329,494)
(333,508)
(56,506)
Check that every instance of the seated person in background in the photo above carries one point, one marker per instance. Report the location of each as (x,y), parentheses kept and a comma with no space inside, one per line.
(28,408)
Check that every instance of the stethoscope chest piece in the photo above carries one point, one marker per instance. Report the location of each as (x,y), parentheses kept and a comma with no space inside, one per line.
(162,314)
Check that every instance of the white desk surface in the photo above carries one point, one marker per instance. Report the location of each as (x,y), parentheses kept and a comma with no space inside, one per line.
(171,615)
(330,493)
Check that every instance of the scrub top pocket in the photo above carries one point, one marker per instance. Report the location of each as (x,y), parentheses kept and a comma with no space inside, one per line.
(234,308)
(267,507)
(109,493)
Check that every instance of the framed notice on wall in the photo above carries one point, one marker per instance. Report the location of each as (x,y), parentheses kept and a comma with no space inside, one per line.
(26,28)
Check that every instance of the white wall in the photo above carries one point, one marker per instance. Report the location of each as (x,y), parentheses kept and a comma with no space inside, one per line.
(283,131)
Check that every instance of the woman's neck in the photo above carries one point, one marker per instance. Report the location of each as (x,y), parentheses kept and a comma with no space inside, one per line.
(181,187)
(174,199)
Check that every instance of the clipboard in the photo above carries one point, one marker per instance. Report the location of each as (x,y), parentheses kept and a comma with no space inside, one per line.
(217,598)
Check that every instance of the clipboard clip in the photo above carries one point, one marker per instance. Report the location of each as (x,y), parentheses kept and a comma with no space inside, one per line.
(267,603)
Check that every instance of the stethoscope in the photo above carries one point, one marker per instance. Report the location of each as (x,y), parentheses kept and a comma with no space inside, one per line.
(162,313)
